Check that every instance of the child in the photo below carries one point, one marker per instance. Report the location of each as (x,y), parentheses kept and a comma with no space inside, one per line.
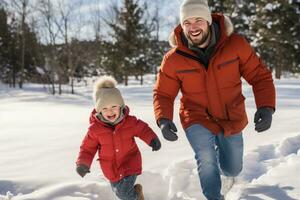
(111,134)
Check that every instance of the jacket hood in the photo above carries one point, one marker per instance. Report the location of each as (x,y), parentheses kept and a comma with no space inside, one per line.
(226,28)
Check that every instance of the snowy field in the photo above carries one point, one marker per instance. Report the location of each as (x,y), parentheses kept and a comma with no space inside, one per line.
(40,135)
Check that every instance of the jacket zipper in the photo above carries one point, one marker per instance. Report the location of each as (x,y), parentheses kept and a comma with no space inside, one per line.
(189,56)
(197,59)
(114,148)
(216,82)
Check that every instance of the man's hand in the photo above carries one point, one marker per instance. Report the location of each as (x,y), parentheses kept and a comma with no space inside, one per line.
(168,129)
(263,118)
(155,144)
(82,170)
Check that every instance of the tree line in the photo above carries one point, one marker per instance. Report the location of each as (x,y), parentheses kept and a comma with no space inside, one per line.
(46,43)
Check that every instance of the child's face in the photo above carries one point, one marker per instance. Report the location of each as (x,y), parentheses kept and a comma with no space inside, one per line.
(111,112)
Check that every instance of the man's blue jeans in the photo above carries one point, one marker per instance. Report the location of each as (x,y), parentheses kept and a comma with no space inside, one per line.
(215,154)
(124,189)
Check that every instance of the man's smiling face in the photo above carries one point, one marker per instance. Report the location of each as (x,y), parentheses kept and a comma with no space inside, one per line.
(196,30)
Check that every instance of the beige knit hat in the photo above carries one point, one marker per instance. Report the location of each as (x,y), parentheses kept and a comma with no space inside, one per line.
(105,92)
(195,8)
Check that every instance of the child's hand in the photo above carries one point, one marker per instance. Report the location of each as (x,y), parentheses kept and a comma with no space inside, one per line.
(82,170)
(155,144)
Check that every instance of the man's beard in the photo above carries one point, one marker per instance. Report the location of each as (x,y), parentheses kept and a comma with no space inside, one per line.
(199,41)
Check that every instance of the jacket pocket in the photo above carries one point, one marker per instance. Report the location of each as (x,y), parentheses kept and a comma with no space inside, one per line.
(236,109)
(184,71)
(226,63)
(228,73)
(130,153)
(193,112)
(132,160)
(107,166)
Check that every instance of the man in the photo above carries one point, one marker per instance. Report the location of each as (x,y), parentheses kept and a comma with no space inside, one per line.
(206,64)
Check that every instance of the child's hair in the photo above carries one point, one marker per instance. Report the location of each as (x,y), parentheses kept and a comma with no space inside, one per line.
(105,93)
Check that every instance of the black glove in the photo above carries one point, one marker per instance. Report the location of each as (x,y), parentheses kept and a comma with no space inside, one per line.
(155,144)
(263,118)
(168,129)
(82,170)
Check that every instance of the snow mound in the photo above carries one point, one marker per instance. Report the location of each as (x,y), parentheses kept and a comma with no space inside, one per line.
(267,172)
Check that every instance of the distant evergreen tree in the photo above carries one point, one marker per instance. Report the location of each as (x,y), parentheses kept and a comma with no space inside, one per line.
(4,44)
(10,50)
(131,35)
(111,60)
(33,57)
(156,51)
(240,12)
(277,33)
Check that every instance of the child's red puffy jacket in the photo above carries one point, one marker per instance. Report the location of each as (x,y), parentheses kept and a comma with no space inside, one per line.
(118,152)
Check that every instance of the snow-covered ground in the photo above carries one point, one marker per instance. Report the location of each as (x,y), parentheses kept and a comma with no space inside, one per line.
(40,136)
